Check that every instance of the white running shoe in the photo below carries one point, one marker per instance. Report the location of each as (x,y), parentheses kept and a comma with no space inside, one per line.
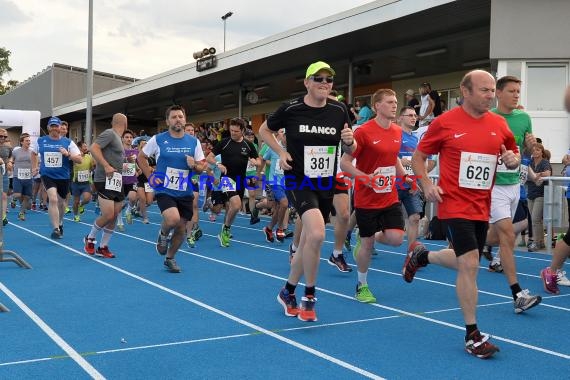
(561,278)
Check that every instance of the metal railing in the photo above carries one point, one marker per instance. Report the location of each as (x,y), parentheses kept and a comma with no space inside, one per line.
(554,214)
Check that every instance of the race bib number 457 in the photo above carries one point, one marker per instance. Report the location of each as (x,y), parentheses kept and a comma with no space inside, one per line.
(477,170)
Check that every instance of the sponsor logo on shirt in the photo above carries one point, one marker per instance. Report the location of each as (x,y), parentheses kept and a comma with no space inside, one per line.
(317,129)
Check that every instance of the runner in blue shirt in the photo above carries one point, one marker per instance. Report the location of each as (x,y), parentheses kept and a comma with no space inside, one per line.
(56,153)
(178,157)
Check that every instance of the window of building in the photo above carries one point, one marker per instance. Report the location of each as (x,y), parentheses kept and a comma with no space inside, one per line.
(546,83)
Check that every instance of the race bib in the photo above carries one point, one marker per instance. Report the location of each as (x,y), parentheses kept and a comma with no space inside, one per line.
(24,173)
(319,161)
(523,174)
(177,179)
(408,168)
(53,159)
(476,170)
(384,179)
(115,183)
(148,188)
(278,169)
(129,169)
(502,168)
(250,167)
(83,176)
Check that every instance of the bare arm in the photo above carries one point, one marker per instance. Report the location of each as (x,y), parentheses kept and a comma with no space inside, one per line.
(142,161)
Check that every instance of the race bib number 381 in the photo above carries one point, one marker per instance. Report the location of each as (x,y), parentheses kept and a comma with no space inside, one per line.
(319,161)
(477,170)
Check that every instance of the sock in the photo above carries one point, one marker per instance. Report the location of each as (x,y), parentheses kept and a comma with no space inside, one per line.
(337,252)
(106,237)
(94,231)
(290,287)
(469,329)
(309,291)
(362,278)
(515,288)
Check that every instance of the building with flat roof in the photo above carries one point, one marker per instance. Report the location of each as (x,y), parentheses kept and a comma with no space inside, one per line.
(397,44)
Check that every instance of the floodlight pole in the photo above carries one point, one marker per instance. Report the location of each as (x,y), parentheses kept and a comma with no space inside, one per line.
(89,93)
(225,17)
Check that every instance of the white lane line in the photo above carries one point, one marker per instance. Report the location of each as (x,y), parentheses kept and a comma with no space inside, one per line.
(243,322)
(91,371)
(235,336)
(396,310)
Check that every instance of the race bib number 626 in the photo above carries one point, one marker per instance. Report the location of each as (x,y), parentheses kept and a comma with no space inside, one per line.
(477,170)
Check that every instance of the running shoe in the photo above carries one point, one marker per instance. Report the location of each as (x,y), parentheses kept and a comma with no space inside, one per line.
(81,209)
(524,301)
(161,243)
(268,234)
(22,216)
(190,241)
(212,217)
(289,303)
(197,233)
(55,234)
(104,252)
(121,227)
(61,229)
(532,247)
(363,294)
(4,220)
(549,281)
(307,311)
(146,221)
(171,265)
(280,236)
(76,218)
(224,237)
(34,206)
(411,264)
(253,220)
(288,234)
(478,345)
(561,278)
(340,263)
(13,203)
(89,245)
(67,210)
(254,213)
(495,265)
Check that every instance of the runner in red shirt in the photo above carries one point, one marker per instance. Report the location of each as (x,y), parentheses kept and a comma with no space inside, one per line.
(469,140)
(377,173)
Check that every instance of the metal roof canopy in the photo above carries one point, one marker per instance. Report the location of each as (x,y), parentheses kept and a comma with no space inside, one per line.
(380,39)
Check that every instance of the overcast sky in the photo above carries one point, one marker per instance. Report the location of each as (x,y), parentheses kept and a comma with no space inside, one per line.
(141,38)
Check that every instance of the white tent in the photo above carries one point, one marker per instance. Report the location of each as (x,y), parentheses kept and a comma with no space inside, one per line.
(28,120)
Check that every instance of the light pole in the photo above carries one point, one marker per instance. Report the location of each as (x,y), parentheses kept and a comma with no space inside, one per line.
(225,17)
